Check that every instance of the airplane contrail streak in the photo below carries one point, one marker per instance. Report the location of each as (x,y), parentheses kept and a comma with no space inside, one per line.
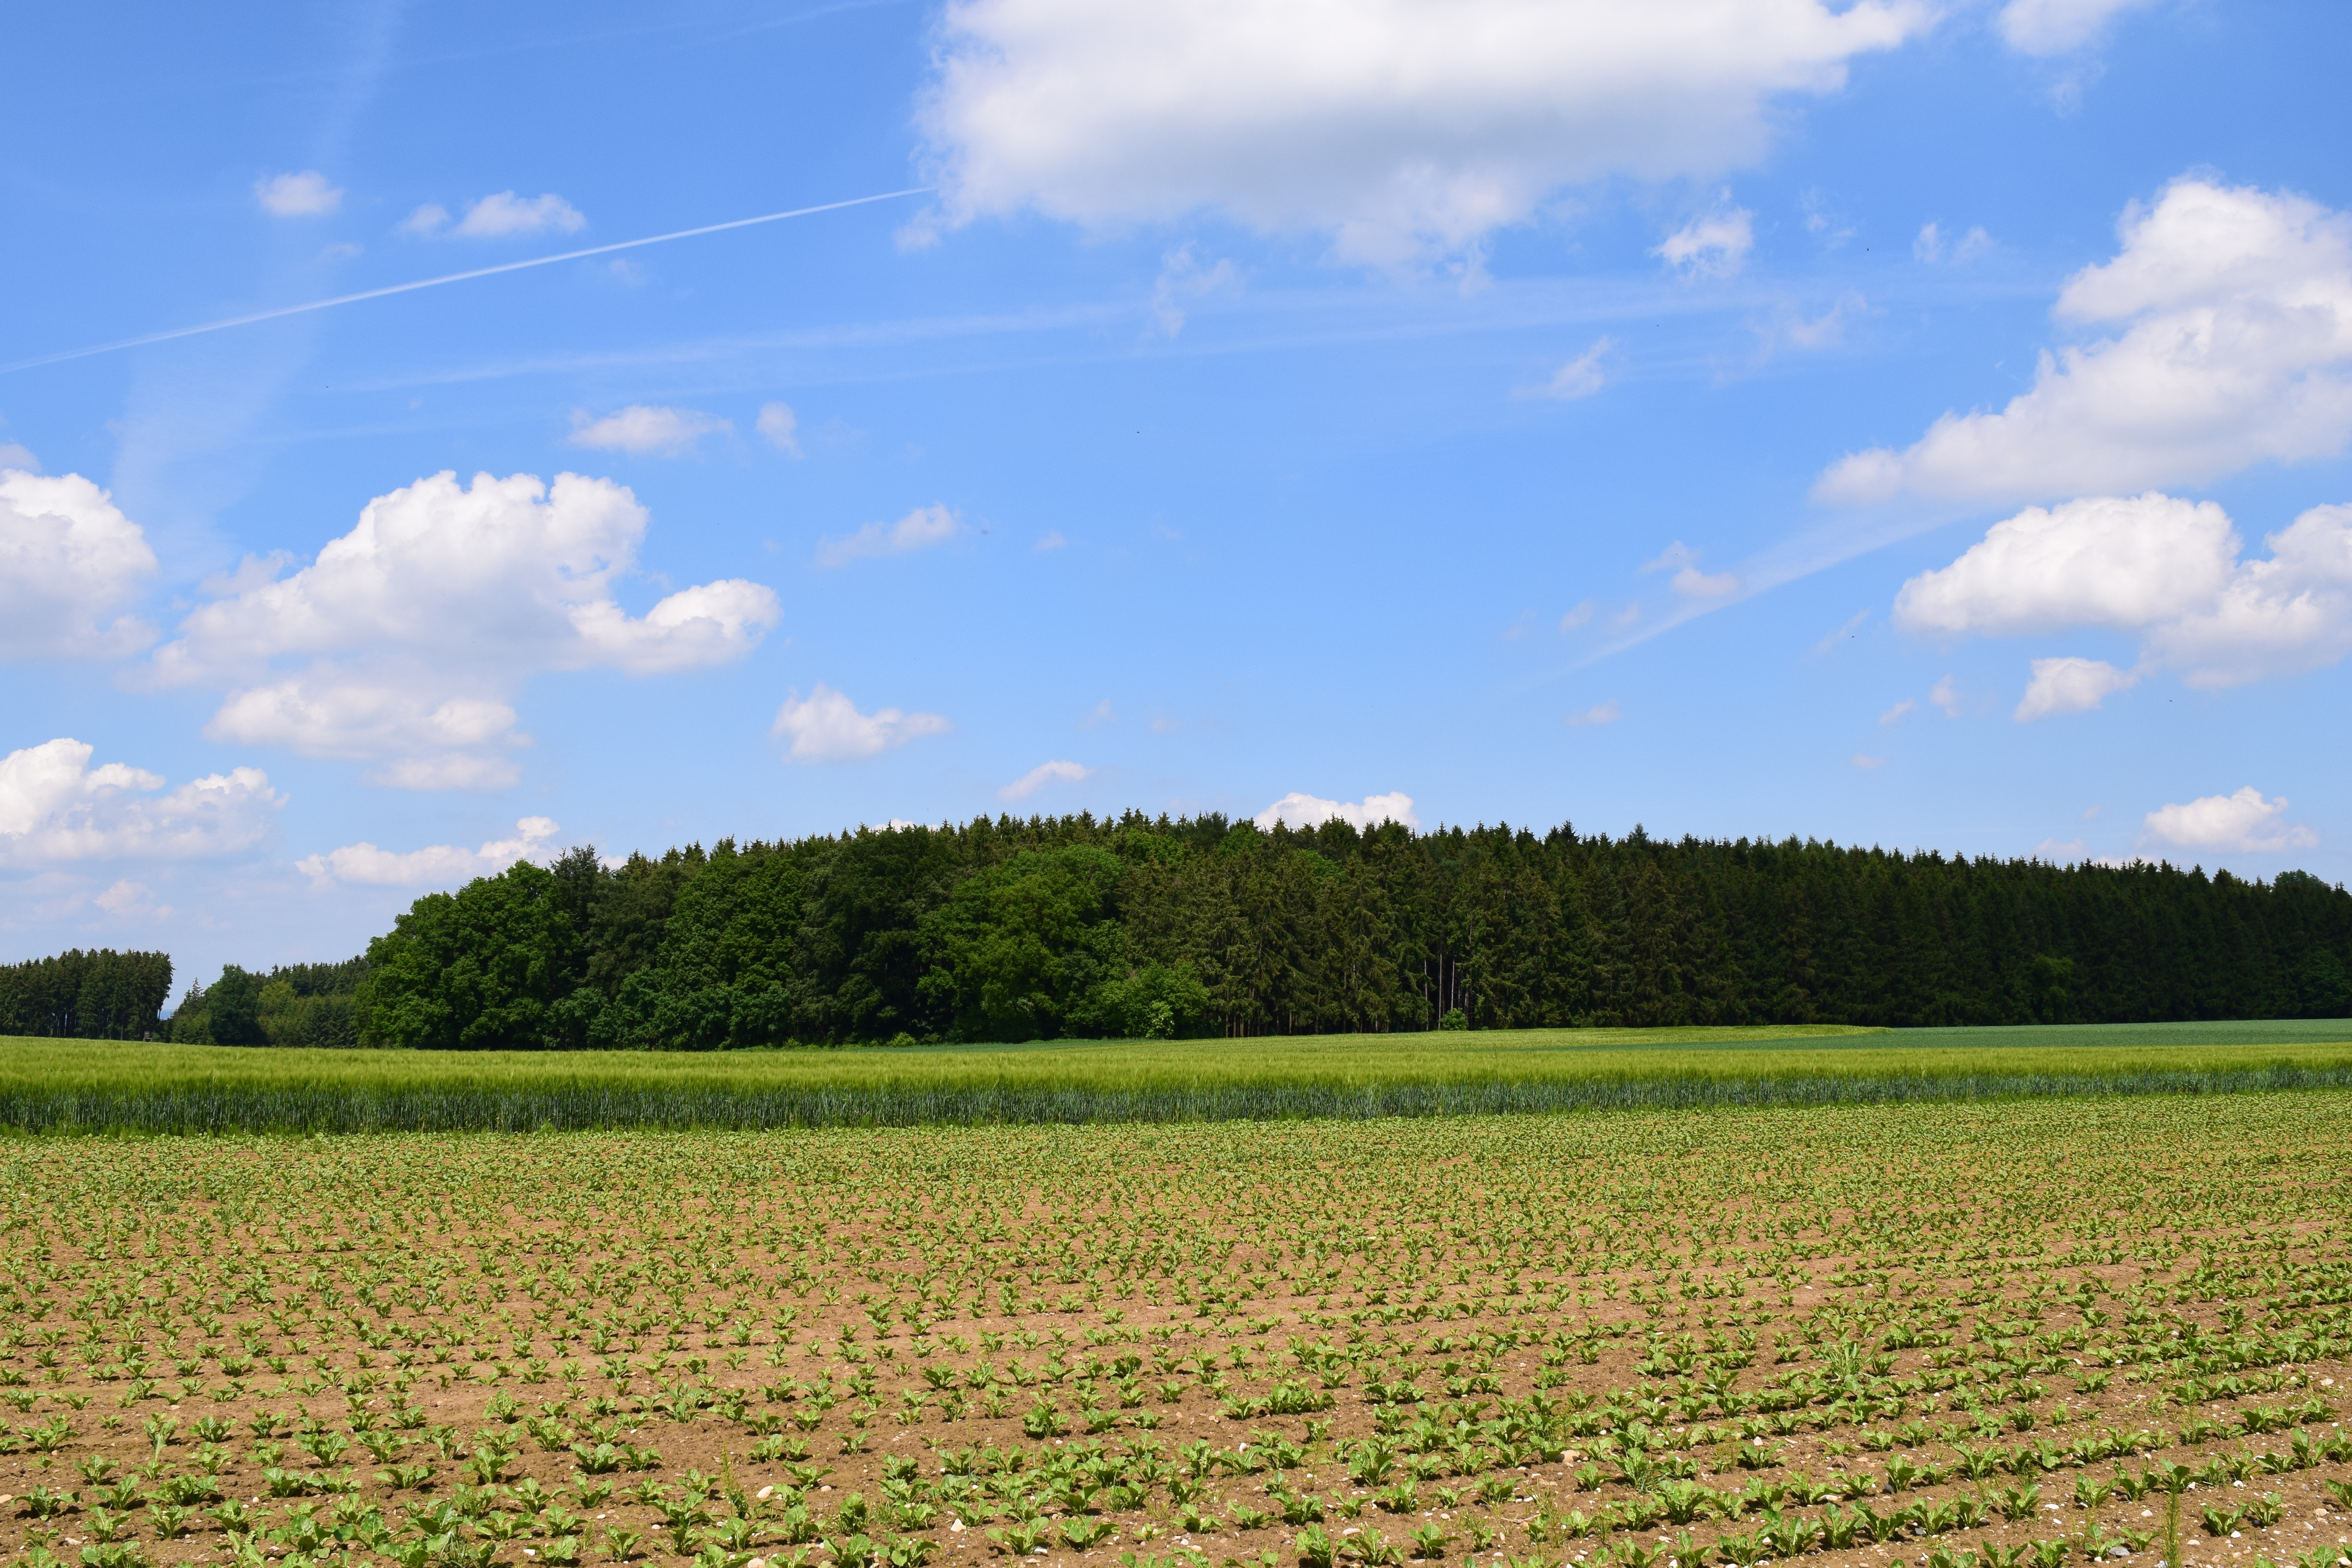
(451,278)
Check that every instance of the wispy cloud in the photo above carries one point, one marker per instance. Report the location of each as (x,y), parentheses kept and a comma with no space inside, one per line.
(306,194)
(1043,773)
(1579,378)
(918,530)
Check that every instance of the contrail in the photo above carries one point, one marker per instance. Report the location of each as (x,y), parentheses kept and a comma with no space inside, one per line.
(452,278)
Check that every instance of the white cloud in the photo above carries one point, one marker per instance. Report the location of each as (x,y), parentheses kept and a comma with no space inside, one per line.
(1049,541)
(440,866)
(1714,246)
(2122,561)
(1101,714)
(1182,277)
(2062,686)
(1909,705)
(2055,26)
(1687,579)
(642,428)
(1579,378)
(1607,713)
(405,642)
(53,807)
(2244,821)
(918,530)
(1792,329)
(1309,811)
(1931,246)
(779,427)
(1946,695)
(68,559)
(449,770)
(1399,127)
(498,216)
(2233,311)
(127,899)
(306,194)
(1043,773)
(2166,569)
(2059,851)
(826,727)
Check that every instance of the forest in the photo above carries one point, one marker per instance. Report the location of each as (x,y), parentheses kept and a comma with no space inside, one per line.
(96,995)
(1013,930)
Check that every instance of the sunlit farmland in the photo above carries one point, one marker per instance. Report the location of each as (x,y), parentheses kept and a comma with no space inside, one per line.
(2024,1333)
(93,1085)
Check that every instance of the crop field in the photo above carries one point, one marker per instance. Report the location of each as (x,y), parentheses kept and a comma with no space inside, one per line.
(1977,1335)
(115,1086)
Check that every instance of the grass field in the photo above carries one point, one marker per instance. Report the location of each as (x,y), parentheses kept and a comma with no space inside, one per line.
(82,1085)
(2014,1335)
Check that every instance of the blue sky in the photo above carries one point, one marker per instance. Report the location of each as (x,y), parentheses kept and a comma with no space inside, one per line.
(1895,422)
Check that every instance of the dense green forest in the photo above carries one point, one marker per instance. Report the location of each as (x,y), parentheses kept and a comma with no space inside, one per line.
(98,995)
(1075,926)
(292,1004)
(1014,930)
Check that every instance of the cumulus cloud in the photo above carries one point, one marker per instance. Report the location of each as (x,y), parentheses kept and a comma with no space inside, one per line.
(2232,315)
(1714,246)
(439,865)
(67,560)
(53,807)
(2055,26)
(826,727)
(2164,569)
(2061,686)
(1682,560)
(1579,378)
(306,194)
(1028,784)
(1311,811)
(2242,822)
(642,428)
(1399,127)
(918,530)
(500,215)
(2105,561)
(779,427)
(407,639)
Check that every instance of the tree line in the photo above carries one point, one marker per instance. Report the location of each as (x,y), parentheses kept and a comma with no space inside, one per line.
(1010,929)
(99,995)
(315,1005)
(1134,927)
